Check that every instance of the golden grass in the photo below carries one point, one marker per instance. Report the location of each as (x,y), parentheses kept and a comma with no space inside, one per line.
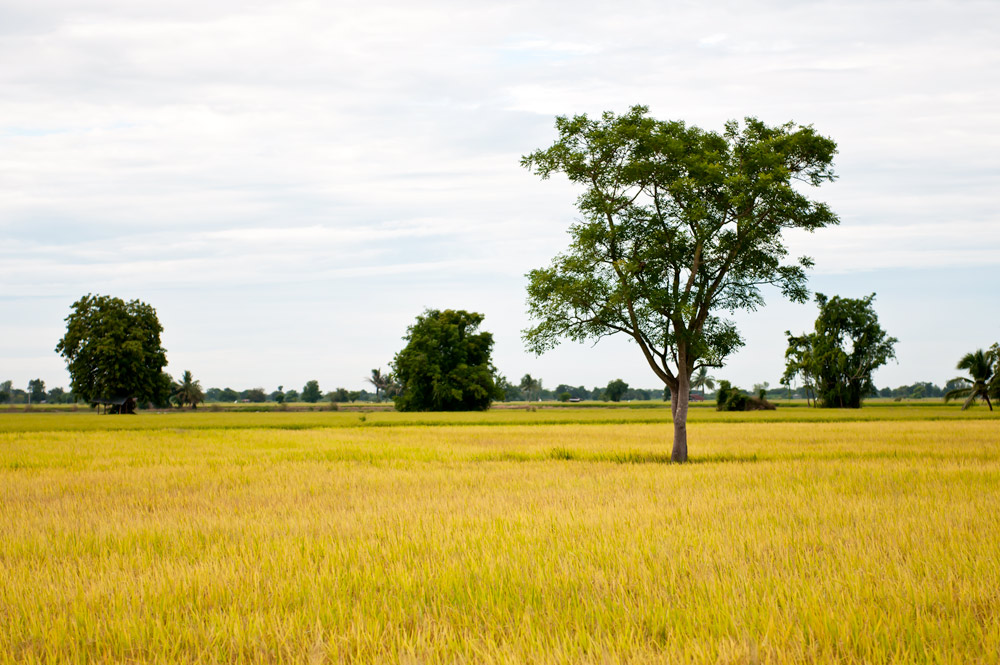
(866,542)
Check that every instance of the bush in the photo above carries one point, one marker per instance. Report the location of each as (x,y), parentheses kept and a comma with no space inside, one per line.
(733,399)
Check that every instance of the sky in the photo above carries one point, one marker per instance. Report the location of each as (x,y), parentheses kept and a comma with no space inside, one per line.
(290,184)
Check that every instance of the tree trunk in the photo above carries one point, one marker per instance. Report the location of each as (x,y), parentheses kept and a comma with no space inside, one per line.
(679,408)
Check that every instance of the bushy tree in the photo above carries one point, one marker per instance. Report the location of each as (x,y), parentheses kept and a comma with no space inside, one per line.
(445,365)
(679,227)
(311,392)
(112,349)
(36,391)
(615,390)
(846,346)
(6,388)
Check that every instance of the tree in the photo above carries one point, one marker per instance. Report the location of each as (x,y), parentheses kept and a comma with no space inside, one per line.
(292,395)
(530,386)
(188,391)
(445,365)
(112,349)
(979,365)
(679,225)
(58,396)
(36,391)
(703,380)
(615,390)
(846,346)
(382,383)
(311,392)
(799,362)
(6,388)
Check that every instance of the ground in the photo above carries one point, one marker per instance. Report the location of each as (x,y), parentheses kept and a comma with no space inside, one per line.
(510,536)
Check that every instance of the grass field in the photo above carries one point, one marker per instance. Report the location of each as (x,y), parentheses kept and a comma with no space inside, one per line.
(548,536)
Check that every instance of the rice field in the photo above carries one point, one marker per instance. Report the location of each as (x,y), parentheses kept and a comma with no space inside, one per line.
(535,537)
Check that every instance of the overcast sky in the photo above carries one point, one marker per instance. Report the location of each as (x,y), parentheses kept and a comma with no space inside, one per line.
(290,183)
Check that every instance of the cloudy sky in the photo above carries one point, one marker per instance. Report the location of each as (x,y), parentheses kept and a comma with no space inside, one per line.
(290,183)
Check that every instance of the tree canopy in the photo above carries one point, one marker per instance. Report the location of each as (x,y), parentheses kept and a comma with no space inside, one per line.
(311,392)
(839,356)
(678,226)
(112,349)
(445,365)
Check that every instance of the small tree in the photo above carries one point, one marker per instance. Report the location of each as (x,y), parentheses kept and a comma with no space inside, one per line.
(847,346)
(530,386)
(36,391)
(615,390)
(6,388)
(112,349)
(381,381)
(188,391)
(311,392)
(679,227)
(445,365)
(702,380)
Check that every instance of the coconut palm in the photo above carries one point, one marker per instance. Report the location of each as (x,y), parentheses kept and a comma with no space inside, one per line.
(703,380)
(188,391)
(381,382)
(979,365)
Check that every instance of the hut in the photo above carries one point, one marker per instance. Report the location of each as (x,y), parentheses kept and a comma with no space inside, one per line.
(118,405)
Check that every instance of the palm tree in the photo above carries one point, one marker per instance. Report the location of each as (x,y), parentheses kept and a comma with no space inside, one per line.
(703,380)
(382,382)
(188,391)
(530,385)
(979,364)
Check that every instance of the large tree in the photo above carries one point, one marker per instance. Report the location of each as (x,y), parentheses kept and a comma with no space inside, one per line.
(445,365)
(839,356)
(112,349)
(678,226)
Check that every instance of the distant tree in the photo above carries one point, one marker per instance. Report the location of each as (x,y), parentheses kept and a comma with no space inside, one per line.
(381,381)
(311,392)
(36,391)
(678,227)
(353,395)
(702,380)
(994,354)
(58,396)
(615,390)
(188,391)
(5,391)
(846,346)
(292,395)
(112,349)
(255,395)
(530,386)
(511,392)
(339,395)
(445,365)
(229,395)
(278,395)
(980,366)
